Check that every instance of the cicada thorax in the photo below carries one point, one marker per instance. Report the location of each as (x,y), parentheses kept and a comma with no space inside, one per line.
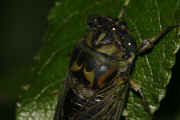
(96,65)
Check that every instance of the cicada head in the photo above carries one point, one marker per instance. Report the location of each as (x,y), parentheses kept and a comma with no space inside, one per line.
(110,36)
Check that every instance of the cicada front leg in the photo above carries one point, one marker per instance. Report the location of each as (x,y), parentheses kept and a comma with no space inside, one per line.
(149,43)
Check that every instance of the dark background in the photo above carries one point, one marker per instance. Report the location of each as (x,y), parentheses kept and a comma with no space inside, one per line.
(22,25)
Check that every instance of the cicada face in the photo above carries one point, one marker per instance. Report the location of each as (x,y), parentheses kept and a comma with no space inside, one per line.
(110,36)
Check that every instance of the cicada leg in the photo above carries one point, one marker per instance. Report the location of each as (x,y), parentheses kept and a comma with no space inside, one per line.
(149,43)
(136,87)
(123,10)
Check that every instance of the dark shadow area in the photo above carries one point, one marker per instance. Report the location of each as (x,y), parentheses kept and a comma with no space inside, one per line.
(22,26)
(8,111)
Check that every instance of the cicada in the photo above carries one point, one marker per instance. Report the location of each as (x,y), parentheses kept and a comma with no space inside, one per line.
(98,80)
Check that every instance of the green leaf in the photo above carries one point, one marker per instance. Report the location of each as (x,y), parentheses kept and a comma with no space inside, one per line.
(67,25)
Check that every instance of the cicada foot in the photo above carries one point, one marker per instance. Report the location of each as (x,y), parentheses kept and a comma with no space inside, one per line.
(137,88)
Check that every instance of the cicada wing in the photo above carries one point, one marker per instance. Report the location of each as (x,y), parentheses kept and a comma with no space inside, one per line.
(59,113)
(104,105)
(108,108)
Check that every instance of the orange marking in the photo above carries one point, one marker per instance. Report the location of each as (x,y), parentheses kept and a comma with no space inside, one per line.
(76,67)
(102,78)
(89,76)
